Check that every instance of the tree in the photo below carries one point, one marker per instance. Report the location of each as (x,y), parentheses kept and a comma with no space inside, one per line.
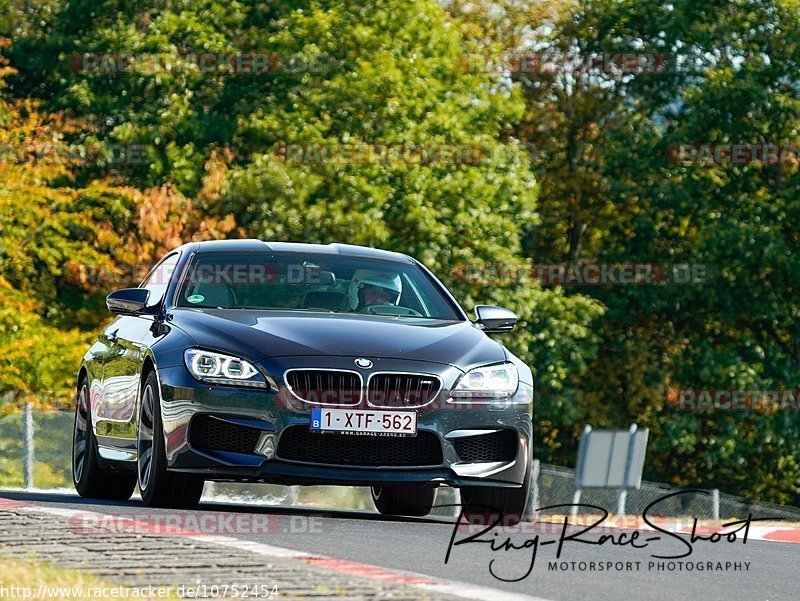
(399,80)
(613,192)
(48,229)
(65,246)
(345,76)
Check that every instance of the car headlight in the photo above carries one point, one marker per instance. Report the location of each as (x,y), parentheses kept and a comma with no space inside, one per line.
(216,368)
(490,382)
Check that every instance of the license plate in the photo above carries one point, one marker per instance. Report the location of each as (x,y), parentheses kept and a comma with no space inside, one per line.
(364,421)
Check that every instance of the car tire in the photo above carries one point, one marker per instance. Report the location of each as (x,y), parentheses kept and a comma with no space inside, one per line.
(483,504)
(158,486)
(404,499)
(88,477)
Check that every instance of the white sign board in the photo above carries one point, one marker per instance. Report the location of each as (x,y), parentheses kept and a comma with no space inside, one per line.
(611,458)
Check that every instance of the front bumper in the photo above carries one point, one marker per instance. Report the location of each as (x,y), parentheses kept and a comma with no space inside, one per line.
(184,398)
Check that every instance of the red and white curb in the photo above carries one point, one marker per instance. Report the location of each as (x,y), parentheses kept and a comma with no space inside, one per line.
(761,533)
(351,568)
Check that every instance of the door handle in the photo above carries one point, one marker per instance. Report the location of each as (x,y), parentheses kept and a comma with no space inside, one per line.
(112,337)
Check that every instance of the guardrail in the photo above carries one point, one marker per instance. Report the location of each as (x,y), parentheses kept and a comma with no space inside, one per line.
(36,449)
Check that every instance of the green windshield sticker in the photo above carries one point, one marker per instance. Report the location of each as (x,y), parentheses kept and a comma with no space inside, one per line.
(196,298)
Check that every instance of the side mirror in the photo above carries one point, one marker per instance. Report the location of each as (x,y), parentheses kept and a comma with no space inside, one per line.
(493,319)
(127,301)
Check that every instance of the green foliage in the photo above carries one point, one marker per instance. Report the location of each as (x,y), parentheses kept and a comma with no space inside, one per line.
(739,331)
(610,193)
(398,80)
(49,231)
(349,74)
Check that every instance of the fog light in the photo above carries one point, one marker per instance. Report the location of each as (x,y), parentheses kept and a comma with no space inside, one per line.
(266,445)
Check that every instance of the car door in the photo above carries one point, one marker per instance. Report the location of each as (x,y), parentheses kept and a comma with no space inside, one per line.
(122,367)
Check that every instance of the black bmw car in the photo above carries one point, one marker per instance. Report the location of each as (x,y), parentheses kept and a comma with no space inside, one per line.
(244,360)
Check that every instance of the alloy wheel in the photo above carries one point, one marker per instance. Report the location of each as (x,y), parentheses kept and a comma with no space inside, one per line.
(145,439)
(80,436)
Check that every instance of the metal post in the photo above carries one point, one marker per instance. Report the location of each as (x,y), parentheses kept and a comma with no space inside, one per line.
(715,504)
(629,461)
(576,498)
(29,451)
(623,496)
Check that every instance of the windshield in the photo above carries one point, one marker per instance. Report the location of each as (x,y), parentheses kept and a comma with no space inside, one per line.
(294,281)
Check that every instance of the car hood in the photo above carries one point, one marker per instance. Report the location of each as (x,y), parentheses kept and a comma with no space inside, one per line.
(259,335)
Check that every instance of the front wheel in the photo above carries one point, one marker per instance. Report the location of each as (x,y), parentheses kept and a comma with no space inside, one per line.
(404,499)
(89,478)
(158,486)
(485,505)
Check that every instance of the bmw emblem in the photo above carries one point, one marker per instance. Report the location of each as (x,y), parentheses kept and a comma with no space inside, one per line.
(363,363)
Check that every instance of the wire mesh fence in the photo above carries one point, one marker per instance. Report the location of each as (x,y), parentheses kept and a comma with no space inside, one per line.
(51,452)
(50,459)
(557,487)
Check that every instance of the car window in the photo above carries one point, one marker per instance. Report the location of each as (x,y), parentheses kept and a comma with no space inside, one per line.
(158,279)
(312,282)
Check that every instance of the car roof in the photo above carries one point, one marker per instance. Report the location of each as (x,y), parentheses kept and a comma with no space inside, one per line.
(252,244)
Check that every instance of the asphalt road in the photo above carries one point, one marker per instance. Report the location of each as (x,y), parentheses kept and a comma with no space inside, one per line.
(768,570)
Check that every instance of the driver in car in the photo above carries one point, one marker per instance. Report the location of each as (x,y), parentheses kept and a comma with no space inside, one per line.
(369,288)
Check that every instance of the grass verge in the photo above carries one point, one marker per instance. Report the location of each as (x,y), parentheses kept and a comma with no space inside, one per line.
(29,579)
